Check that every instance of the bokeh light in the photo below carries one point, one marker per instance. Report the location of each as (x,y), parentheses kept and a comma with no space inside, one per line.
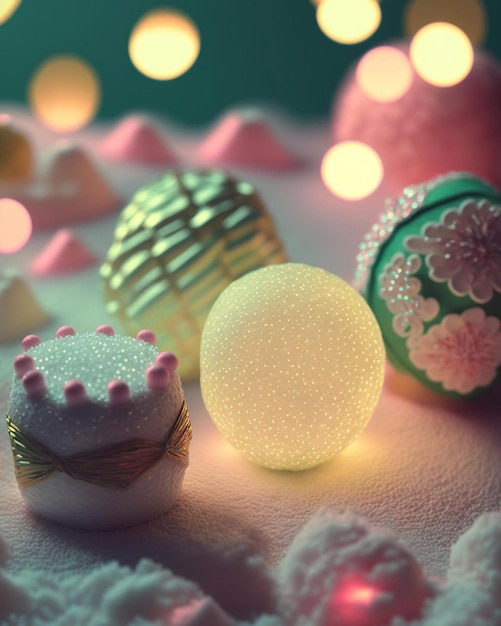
(65,93)
(441,54)
(468,15)
(360,594)
(164,44)
(15,226)
(384,74)
(348,22)
(7,9)
(352,170)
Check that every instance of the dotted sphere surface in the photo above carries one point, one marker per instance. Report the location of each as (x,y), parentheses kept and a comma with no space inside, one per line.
(292,365)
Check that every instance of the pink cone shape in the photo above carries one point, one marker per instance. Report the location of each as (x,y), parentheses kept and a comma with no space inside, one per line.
(246,140)
(136,140)
(65,253)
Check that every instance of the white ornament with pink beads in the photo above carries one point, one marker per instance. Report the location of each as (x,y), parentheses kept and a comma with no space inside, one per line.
(104,417)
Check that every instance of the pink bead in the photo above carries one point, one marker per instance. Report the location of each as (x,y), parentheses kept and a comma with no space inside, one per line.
(105,330)
(30,341)
(148,336)
(65,331)
(75,393)
(34,384)
(157,378)
(22,364)
(168,360)
(118,392)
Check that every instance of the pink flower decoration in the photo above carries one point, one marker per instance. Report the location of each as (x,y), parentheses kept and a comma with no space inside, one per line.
(464,250)
(463,352)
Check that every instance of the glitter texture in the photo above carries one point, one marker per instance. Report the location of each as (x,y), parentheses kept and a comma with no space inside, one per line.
(401,292)
(395,211)
(96,359)
(292,365)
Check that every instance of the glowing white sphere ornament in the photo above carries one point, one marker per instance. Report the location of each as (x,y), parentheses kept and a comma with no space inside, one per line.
(291,365)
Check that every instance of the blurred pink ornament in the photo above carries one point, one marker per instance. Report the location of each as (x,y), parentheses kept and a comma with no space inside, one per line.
(430,130)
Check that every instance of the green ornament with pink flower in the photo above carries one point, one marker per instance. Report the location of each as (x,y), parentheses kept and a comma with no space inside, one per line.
(430,268)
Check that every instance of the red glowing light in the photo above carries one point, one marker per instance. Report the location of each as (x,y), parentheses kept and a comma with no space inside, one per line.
(354,603)
(359,594)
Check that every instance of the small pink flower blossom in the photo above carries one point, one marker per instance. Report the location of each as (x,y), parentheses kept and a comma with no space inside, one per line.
(463,352)
(401,291)
(464,249)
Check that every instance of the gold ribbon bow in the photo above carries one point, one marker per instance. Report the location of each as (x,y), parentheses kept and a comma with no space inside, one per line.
(116,466)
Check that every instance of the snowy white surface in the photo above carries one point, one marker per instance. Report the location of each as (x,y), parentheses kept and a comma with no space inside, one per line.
(425,468)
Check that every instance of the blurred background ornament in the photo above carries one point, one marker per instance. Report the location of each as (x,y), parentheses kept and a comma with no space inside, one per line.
(16,154)
(428,130)
(20,310)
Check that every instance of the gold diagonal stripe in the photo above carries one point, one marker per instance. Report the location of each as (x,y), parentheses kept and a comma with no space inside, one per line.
(115,467)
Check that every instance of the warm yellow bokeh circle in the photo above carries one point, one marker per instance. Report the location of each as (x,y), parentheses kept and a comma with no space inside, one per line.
(351,170)
(7,9)
(292,365)
(441,54)
(348,22)
(65,93)
(164,44)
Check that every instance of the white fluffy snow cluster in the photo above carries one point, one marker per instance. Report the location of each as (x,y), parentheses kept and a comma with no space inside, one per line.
(337,572)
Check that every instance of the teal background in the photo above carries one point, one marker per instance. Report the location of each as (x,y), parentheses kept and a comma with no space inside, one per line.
(253,51)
